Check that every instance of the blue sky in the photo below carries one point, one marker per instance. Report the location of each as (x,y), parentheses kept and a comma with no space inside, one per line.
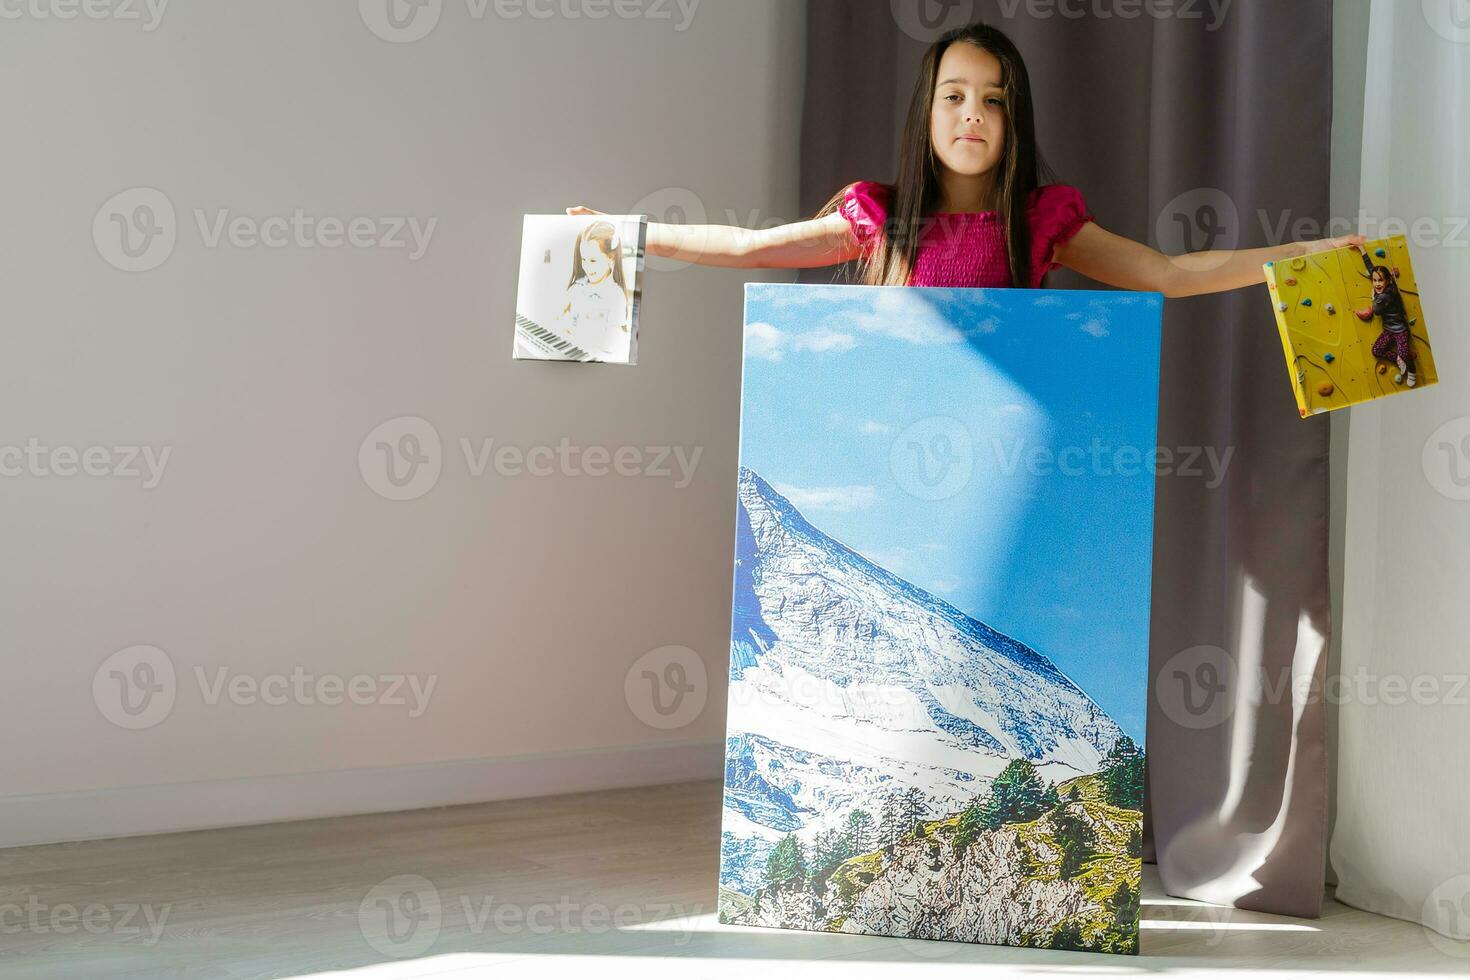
(991,446)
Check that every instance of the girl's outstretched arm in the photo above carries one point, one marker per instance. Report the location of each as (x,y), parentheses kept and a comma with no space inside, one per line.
(799,245)
(1122,262)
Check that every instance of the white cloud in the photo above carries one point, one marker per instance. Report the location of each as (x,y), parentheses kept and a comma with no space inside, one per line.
(823,340)
(1095,327)
(770,342)
(763,340)
(838,499)
(872,428)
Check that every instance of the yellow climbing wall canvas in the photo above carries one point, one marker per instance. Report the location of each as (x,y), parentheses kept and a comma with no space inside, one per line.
(1351,324)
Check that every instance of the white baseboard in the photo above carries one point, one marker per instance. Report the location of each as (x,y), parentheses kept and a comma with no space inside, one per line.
(130,811)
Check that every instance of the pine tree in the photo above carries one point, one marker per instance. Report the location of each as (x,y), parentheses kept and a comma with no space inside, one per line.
(787,864)
(1076,840)
(890,821)
(1122,775)
(1121,933)
(860,831)
(1135,842)
(911,806)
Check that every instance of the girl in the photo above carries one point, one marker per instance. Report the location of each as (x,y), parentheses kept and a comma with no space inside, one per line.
(969,207)
(1394,343)
(597,299)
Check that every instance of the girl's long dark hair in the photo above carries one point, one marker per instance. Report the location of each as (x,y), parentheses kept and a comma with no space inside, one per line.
(1019,172)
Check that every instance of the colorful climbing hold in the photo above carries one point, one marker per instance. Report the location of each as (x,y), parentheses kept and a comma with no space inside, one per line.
(1325,389)
(1331,310)
(1380,253)
(1283,307)
(1383,369)
(1307,301)
(1291,280)
(1298,263)
(1329,358)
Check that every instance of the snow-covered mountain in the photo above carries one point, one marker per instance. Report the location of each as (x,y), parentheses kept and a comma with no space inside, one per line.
(849,685)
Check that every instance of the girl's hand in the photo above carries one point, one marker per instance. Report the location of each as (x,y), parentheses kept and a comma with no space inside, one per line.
(1328,244)
(579,209)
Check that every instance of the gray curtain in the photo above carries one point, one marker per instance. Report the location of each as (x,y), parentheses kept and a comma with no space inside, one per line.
(1185,132)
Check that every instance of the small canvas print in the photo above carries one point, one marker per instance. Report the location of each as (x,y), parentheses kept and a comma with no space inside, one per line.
(939,639)
(579,288)
(1351,324)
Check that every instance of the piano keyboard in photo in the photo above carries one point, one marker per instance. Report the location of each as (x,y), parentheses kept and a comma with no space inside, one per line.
(538,338)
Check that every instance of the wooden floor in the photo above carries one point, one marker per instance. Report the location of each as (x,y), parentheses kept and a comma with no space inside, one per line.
(612,884)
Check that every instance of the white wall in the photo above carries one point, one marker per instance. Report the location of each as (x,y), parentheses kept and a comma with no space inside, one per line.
(263,548)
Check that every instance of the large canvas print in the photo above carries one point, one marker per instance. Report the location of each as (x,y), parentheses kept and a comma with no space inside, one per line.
(939,647)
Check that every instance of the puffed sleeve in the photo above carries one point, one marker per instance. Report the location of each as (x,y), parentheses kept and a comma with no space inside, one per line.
(865,206)
(1057,212)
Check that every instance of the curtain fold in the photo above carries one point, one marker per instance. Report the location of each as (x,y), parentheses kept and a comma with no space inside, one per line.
(1401,845)
(1188,132)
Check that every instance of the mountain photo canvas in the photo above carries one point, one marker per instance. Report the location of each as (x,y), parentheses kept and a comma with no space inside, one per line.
(939,638)
(1351,324)
(579,290)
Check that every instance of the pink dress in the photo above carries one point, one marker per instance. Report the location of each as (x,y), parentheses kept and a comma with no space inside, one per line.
(969,248)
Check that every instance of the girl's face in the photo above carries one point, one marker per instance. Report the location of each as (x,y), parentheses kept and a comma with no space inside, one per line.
(1379,282)
(595,262)
(967,123)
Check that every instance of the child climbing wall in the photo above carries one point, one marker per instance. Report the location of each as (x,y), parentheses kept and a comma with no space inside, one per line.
(1339,312)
